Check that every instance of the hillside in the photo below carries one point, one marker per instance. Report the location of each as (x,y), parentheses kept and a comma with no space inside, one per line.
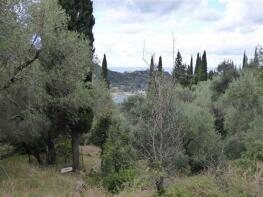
(128,81)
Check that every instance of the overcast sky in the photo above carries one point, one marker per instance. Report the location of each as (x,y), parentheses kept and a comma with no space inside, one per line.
(224,28)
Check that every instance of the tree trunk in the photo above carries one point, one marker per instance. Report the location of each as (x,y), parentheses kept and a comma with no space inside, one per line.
(29,158)
(51,152)
(37,156)
(160,185)
(75,137)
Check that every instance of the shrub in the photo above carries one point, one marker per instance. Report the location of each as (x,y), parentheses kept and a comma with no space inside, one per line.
(116,181)
(117,158)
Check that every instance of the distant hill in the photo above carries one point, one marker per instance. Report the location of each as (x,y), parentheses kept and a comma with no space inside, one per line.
(128,81)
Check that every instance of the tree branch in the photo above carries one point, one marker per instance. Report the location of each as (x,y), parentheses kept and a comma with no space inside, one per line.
(19,69)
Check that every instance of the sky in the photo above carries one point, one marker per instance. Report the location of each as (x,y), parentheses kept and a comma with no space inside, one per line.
(224,28)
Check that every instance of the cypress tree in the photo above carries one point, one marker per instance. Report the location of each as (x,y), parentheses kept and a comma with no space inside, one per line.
(104,72)
(190,73)
(81,17)
(160,65)
(151,76)
(245,60)
(203,70)
(197,68)
(191,68)
(151,68)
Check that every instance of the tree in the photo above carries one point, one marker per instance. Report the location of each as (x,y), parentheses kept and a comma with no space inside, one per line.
(64,60)
(189,73)
(151,76)
(180,70)
(81,17)
(118,157)
(203,70)
(160,65)
(21,119)
(226,73)
(104,73)
(256,56)
(245,61)
(198,68)
(191,68)
(177,66)
(175,130)
(242,105)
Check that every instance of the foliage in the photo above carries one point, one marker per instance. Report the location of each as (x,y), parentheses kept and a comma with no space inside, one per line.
(175,124)
(115,182)
(241,104)
(118,158)
(104,72)
(81,17)
(99,132)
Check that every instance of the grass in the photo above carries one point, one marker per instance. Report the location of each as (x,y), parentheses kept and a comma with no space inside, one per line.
(30,180)
(21,179)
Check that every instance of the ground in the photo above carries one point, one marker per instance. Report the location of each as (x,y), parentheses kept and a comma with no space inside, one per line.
(18,178)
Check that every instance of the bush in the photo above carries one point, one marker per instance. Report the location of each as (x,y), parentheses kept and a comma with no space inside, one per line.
(116,181)
(234,147)
(117,158)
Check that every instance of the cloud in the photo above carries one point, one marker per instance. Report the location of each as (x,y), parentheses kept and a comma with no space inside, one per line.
(123,25)
(241,14)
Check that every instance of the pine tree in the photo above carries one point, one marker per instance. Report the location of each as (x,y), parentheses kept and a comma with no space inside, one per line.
(256,57)
(245,61)
(177,66)
(104,73)
(203,69)
(160,65)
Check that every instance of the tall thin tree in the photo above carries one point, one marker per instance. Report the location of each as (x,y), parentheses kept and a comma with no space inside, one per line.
(245,60)
(203,74)
(104,72)
(81,17)
(191,68)
(197,68)
(160,65)
(151,75)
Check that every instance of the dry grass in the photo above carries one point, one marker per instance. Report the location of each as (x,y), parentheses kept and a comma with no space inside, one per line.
(26,180)
(237,182)
(30,180)
(91,158)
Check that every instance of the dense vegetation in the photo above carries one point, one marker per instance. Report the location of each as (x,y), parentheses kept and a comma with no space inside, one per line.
(194,134)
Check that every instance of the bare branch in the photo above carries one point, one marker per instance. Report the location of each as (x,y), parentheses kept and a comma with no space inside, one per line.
(143,53)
